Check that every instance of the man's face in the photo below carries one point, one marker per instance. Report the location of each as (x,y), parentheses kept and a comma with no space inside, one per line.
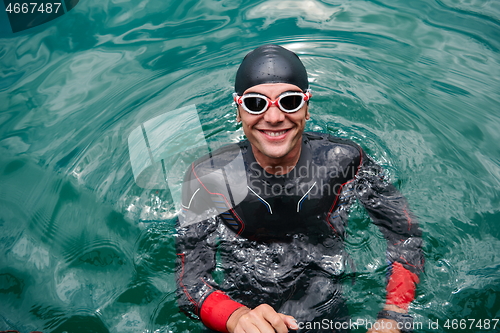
(274,134)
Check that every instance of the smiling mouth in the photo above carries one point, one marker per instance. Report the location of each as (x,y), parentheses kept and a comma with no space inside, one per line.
(274,133)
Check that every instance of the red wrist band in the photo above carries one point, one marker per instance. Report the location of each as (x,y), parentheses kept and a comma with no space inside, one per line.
(217,309)
(401,286)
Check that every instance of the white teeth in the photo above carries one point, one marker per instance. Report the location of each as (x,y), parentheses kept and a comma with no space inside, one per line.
(275,133)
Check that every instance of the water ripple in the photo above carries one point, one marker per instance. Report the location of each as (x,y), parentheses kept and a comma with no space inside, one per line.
(415,83)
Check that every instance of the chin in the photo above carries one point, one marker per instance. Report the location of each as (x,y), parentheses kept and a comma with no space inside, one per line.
(275,153)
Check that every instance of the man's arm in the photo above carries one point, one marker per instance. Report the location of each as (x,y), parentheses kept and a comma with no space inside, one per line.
(196,243)
(198,293)
(389,211)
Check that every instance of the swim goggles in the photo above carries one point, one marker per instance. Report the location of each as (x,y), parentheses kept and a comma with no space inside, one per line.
(288,102)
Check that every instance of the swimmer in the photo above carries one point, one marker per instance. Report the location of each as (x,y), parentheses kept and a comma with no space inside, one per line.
(261,234)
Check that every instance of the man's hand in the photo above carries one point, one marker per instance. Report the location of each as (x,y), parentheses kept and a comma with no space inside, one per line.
(262,319)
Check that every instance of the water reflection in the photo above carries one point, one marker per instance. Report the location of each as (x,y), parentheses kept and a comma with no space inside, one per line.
(416,83)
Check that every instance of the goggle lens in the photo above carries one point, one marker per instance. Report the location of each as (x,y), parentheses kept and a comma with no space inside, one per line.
(291,102)
(255,104)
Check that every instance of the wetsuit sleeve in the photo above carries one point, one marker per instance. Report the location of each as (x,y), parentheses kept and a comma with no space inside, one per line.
(389,211)
(196,244)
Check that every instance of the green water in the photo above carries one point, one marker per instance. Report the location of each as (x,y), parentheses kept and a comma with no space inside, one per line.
(83,248)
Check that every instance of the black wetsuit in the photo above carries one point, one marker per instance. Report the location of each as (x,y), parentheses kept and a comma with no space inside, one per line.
(262,238)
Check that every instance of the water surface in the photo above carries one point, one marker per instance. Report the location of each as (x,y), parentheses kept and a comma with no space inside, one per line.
(85,249)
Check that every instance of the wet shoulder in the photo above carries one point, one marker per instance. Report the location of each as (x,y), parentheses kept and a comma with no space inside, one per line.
(329,150)
(218,159)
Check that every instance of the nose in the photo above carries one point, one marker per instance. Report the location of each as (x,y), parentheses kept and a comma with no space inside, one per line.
(274,115)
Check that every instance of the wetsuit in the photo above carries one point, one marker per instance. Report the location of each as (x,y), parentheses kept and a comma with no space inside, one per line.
(249,237)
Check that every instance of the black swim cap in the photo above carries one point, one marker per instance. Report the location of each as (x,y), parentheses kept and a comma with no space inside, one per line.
(270,64)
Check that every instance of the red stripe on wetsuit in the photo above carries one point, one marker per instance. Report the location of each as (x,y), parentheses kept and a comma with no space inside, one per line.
(401,286)
(217,309)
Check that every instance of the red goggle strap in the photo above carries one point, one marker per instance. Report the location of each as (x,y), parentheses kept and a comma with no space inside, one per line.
(308,96)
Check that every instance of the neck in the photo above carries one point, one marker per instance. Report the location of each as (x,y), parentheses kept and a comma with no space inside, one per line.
(280,165)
